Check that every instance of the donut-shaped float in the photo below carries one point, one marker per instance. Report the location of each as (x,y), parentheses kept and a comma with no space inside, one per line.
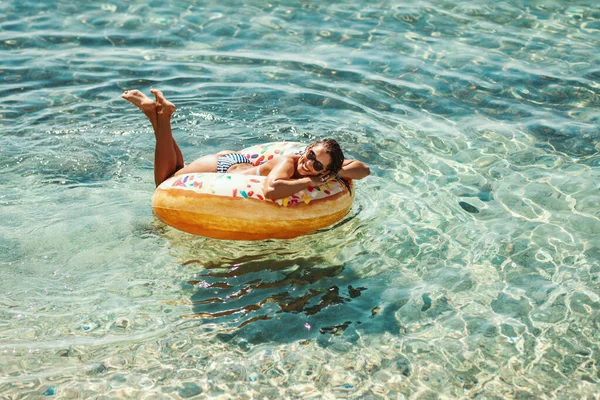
(233,206)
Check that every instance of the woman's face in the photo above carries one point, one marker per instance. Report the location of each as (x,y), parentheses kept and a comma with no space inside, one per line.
(314,161)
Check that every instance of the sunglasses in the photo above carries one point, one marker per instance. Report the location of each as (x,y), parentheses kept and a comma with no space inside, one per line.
(317,166)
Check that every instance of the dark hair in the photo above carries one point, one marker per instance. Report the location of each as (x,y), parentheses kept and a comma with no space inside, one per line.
(335,152)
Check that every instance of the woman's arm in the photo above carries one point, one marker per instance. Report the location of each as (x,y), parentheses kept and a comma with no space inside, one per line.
(352,169)
(279,182)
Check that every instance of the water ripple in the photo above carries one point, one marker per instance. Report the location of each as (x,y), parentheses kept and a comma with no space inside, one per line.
(467,266)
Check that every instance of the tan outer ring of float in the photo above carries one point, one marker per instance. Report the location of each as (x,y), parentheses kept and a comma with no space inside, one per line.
(230,218)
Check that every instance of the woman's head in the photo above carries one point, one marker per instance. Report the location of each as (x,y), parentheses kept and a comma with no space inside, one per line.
(324,156)
(334,151)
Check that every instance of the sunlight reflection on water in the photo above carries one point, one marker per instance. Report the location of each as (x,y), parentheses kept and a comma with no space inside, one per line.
(467,267)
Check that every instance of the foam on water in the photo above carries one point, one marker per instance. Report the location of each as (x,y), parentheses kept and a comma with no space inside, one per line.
(468,266)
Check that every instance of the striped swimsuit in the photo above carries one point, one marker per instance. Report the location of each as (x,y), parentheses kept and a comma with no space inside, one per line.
(228,160)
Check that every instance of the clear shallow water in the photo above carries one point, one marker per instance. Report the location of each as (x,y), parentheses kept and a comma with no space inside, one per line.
(468,267)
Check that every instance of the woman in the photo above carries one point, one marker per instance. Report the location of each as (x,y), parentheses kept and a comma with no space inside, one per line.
(287,174)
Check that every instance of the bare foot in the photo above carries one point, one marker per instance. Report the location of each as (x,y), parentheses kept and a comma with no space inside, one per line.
(163,106)
(140,100)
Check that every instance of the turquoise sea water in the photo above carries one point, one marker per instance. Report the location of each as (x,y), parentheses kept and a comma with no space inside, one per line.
(469,264)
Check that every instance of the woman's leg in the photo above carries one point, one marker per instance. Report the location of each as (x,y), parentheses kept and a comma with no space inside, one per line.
(167,155)
(180,164)
(168,160)
(200,165)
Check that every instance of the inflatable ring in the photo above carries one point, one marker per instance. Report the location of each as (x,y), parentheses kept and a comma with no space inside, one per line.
(233,206)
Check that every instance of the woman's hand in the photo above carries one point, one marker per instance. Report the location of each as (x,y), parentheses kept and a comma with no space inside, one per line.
(318,180)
